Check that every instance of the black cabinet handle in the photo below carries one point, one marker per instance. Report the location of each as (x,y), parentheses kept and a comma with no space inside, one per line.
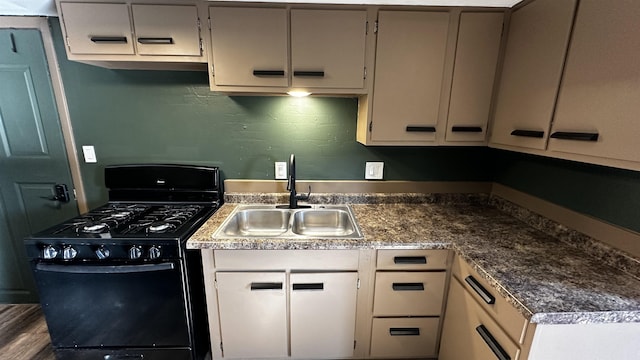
(421,129)
(408,286)
(578,136)
(473,129)
(480,290)
(109,39)
(492,343)
(311,286)
(268,72)
(266,286)
(155,41)
(404,331)
(528,133)
(309,73)
(409,260)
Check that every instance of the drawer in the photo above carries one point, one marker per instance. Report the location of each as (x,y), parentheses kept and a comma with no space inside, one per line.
(286,259)
(404,337)
(470,333)
(409,293)
(490,300)
(412,259)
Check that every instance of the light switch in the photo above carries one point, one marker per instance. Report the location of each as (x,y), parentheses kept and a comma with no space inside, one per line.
(89,154)
(374,170)
(281,170)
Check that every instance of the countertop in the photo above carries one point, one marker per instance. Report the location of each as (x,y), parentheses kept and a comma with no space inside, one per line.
(547,280)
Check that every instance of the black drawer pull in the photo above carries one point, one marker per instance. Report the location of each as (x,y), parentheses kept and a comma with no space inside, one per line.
(528,133)
(155,41)
(480,290)
(408,286)
(492,343)
(473,129)
(268,72)
(409,260)
(309,73)
(404,331)
(421,129)
(109,39)
(578,136)
(266,286)
(312,286)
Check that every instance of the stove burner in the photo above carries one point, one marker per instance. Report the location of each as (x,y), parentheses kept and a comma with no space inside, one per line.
(93,228)
(161,226)
(122,215)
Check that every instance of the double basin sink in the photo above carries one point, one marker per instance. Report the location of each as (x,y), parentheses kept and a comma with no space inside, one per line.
(269,221)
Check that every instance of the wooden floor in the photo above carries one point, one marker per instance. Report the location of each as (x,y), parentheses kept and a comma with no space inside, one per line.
(23,333)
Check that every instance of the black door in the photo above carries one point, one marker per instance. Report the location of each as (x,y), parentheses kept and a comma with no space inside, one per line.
(132,306)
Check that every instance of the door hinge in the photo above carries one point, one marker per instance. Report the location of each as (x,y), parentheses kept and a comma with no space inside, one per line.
(370,126)
(209,23)
(375,27)
(365,72)
(67,41)
(366,28)
(358,284)
(221,348)
(215,284)
(201,47)
(75,194)
(354,344)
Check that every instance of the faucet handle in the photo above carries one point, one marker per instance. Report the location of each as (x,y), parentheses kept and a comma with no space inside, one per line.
(304,197)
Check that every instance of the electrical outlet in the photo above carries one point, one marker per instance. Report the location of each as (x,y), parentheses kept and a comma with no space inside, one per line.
(89,154)
(374,170)
(281,170)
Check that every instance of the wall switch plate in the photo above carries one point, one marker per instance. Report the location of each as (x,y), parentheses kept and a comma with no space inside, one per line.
(281,170)
(89,154)
(374,170)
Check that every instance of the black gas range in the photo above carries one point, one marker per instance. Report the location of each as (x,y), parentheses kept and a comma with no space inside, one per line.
(118,282)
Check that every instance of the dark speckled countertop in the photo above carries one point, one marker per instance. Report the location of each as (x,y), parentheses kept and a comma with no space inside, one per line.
(548,280)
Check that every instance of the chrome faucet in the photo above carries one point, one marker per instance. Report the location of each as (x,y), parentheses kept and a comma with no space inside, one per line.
(291,186)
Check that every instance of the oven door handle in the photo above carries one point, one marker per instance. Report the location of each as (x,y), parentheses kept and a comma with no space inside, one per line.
(104,269)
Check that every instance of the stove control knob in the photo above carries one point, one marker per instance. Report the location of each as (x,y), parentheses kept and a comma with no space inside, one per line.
(102,252)
(154,252)
(135,253)
(49,252)
(69,252)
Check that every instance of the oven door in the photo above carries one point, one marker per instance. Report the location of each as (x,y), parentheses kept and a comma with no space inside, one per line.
(101,306)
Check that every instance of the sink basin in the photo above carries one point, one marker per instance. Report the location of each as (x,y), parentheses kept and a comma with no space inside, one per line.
(267,221)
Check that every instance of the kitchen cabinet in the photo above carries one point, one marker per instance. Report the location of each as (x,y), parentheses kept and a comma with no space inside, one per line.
(474,71)
(251,49)
(408,302)
(298,304)
(537,43)
(482,320)
(597,106)
(433,79)
(112,33)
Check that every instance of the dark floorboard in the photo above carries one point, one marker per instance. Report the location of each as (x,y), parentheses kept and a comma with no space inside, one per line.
(23,333)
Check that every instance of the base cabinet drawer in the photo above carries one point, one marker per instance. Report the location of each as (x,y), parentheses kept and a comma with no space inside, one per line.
(404,337)
(412,260)
(409,293)
(470,333)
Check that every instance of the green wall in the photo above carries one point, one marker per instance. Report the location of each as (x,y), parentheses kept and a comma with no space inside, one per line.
(173,117)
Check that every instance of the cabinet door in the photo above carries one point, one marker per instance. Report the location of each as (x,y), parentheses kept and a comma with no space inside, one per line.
(474,71)
(328,48)
(94,28)
(410,58)
(470,333)
(166,29)
(601,85)
(253,319)
(534,57)
(323,315)
(249,46)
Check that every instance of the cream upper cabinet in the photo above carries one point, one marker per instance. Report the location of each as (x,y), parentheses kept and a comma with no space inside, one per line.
(94,28)
(249,47)
(410,59)
(474,71)
(252,51)
(166,29)
(328,48)
(121,35)
(597,111)
(534,57)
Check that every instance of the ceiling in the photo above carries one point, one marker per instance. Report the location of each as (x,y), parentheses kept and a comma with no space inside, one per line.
(47,7)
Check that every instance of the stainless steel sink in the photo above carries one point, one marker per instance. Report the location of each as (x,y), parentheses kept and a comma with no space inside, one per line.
(267,221)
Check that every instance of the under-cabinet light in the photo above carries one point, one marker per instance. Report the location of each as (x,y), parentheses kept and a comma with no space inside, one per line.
(298,93)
